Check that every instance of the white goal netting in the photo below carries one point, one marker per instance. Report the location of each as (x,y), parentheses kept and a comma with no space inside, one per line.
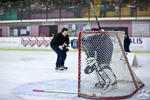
(104,71)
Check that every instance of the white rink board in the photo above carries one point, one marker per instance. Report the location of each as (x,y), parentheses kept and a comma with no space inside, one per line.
(42,43)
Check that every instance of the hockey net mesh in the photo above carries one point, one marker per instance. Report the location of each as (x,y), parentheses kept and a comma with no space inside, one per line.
(107,48)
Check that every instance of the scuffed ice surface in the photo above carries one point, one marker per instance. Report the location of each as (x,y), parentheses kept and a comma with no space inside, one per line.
(23,71)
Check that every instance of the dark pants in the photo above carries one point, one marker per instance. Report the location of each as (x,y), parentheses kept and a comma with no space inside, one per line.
(61,56)
(126,47)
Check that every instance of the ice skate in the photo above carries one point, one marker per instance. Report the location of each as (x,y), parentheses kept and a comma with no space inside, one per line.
(101,85)
(106,87)
(64,67)
(59,68)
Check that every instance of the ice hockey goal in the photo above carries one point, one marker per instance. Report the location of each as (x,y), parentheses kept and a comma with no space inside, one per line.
(104,70)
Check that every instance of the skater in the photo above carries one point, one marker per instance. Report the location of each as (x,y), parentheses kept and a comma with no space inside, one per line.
(126,43)
(59,44)
(98,49)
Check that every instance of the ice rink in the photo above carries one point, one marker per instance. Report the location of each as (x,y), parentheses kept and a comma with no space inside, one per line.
(23,71)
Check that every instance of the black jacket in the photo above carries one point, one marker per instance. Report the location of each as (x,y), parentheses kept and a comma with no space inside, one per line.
(59,39)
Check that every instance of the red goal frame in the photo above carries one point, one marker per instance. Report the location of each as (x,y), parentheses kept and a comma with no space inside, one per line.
(126,59)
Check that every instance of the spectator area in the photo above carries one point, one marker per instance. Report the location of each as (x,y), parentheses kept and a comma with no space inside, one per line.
(39,9)
(126,8)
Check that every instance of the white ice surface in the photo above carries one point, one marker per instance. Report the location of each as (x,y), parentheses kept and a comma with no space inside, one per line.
(20,69)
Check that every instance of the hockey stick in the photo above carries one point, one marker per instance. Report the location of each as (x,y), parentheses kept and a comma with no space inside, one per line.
(91,3)
(64,92)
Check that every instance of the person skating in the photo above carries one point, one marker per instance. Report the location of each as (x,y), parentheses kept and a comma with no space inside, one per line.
(59,44)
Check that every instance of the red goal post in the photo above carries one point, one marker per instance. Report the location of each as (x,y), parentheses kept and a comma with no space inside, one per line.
(91,43)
